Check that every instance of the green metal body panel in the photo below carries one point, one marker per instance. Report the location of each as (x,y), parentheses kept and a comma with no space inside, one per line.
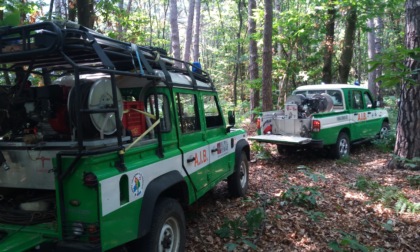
(108,172)
(355,115)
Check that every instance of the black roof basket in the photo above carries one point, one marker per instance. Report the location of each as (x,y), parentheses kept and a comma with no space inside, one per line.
(66,45)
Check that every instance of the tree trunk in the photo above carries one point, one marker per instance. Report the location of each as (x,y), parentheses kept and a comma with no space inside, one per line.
(348,45)
(407,145)
(267,57)
(188,35)
(238,54)
(85,14)
(283,80)
(173,13)
(196,53)
(119,26)
(379,27)
(329,44)
(371,54)
(72,10)
(253,57)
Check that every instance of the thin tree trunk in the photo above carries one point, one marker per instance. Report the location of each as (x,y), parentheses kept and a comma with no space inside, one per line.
(281,54)
(175,32)
(267,57)
(196,52)
(119,26)
(151,23)
(238,54)
(379,27)
(348,45)
(407,145)
(188,35)
(329,44)
(253,57)
(371,54)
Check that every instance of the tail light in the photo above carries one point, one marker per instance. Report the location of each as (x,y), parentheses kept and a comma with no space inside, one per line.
(316,125)
(90,180)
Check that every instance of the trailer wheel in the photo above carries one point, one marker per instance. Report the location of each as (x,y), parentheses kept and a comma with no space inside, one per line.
(167,232)
(286,150)
(342,146)
(238,181)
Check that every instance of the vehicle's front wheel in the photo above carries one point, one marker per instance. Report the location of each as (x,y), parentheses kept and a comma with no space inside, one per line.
(238,181)
(342,146)
(384,130)
(167,232)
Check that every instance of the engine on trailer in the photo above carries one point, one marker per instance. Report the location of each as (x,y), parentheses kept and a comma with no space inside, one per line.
(306,106)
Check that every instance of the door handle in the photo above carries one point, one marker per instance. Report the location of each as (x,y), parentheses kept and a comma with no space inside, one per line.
(214,150)
(355,114)
(369,113)
(191,159)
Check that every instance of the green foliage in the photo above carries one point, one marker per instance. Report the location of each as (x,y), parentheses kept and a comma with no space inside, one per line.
(347,241)
(315,216)
(237,227)
(403,205)
(393,63)
(388,226)
(304,196)
(389,196)
(414,180)
(260,151)
(413,163)
(387,143)
(347,160)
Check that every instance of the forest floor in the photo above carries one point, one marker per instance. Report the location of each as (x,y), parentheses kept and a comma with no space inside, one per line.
(310,202)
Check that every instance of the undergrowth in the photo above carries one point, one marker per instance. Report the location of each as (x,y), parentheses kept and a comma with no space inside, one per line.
(389,196)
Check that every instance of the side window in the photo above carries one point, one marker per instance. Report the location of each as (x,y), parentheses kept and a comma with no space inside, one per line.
(212,113)
(368,100)
(336,96)
(163,106)
(189,119)
(357,102)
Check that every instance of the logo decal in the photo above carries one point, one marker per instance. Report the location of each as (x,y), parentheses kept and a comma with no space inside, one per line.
(137,184)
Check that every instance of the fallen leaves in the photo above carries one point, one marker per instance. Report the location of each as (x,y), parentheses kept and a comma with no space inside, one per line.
(342,212)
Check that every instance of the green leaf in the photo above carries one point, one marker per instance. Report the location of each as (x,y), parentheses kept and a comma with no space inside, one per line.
(231,246)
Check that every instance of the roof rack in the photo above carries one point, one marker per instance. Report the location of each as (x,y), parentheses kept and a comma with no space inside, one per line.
(67,45)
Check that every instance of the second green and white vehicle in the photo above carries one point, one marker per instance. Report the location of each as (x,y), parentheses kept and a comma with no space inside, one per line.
(332,116)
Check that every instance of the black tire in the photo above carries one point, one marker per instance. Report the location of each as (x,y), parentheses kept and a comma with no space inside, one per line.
(342,147)
(384,130)
(238,181)
(167,232)
(286,150)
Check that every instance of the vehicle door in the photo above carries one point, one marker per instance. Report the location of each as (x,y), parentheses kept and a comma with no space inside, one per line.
(192,142)
(215,131)
(373,120)
(358,115)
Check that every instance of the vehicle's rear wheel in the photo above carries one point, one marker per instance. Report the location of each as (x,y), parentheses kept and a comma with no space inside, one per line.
(167,232)
(238,181)
(384,130)
(286,150)
(342,146)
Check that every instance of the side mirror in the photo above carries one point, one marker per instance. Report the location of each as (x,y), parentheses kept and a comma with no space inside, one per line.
(231,121)
(231,118)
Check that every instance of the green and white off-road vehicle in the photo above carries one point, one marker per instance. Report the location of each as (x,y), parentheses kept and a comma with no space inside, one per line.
(104,142)
(316,116)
